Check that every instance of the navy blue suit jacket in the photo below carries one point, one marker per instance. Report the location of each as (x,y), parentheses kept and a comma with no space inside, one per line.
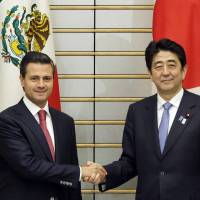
(172,175)
(27,171)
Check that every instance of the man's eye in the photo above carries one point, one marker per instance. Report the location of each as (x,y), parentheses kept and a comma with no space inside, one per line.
(158,67)
(33,78)
(47,78)
(172,65)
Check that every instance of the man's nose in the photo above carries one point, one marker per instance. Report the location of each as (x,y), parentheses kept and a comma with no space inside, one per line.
(165,70)
(41,83)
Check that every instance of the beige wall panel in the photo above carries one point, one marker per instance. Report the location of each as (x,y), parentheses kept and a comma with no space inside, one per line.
(72,18)
(84,154)
(88,197)
(71,2)
(123,18)
(105,156)
(120,65)
(108,133)
(111,110)
(122,41)
(105,196)
(123,87)
(122,2)
(103,65)
(87,186)
(78,110)
(129,185)
(101,2)
(75,64)
(76,87)
(74,41)
(84,133)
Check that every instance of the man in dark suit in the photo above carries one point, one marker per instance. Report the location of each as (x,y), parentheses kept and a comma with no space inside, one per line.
(161,144)
(38,156)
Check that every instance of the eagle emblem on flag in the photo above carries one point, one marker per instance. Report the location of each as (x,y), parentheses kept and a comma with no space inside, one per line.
(23,32)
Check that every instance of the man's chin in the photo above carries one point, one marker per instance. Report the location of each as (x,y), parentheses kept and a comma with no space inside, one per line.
(41,100)
(167,88)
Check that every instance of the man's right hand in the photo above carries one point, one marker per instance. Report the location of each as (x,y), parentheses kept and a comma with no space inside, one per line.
(93,173)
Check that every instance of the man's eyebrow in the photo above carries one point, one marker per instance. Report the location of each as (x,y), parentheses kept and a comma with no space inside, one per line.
(158,62)
(171,60)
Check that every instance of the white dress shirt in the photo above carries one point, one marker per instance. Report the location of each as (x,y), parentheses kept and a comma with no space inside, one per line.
(34,109)
(175,101)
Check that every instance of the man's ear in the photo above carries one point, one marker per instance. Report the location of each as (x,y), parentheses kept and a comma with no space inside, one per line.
(184,70)
(149,72)
(21,80)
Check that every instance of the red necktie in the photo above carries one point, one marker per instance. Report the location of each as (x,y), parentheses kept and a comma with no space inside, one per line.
(43,125)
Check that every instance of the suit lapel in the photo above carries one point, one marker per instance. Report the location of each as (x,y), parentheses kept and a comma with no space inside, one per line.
(183,117)
(28,119)
(56,129)
(151,124)
(62,130)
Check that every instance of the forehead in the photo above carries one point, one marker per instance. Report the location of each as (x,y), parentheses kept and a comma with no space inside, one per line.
(165,56)
(39,68)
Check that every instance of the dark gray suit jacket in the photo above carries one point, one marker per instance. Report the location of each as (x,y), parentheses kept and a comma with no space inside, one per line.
(173,175)
(27,171)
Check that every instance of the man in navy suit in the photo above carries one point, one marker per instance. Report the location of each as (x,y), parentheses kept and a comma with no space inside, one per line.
(161,139)
(38,156)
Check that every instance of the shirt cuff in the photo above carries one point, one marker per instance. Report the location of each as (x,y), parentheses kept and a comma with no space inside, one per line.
(80,177)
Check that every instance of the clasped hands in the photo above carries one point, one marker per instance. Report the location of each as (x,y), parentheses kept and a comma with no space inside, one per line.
(93,173)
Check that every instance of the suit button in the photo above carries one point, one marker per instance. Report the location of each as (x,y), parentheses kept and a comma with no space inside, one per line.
(162,173)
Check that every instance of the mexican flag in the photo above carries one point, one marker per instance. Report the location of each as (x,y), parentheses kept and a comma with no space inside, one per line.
(179,20)
(24,26)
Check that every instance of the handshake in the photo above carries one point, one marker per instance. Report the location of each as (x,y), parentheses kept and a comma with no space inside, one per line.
(93,173)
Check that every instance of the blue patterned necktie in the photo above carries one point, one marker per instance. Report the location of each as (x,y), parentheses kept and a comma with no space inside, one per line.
(164,125)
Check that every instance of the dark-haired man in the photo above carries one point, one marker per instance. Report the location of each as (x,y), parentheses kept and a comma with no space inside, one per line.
(161,140)
(38,156)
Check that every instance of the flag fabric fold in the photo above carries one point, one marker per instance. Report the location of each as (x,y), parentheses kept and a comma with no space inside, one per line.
(25,26)
(179,21)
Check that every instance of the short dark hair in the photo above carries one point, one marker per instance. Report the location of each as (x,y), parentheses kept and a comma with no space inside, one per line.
(164,45)
(35,57)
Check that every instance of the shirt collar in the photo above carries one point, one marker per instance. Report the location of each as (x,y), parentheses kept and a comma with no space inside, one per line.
(33,108)
(175,101)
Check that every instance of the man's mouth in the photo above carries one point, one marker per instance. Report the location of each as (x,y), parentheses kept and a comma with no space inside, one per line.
(166,80)
(40,92)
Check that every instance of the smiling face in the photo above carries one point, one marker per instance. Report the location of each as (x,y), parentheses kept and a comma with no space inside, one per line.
(167,73)
(38,83)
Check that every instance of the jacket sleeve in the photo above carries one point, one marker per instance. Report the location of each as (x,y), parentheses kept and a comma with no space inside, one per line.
(17,153)
(124,169)
(75,194)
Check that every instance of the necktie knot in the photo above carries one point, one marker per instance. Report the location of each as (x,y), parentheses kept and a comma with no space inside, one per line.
(42,115)
(167,106)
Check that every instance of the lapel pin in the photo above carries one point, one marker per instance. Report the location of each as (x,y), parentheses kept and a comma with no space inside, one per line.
(183,121)
(180,118)
(188,115)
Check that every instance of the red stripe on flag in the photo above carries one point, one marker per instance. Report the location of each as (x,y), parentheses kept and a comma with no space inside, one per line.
(54,99)
(179,21)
